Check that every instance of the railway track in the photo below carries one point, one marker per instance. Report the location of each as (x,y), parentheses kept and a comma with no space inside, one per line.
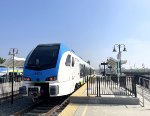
(49,107)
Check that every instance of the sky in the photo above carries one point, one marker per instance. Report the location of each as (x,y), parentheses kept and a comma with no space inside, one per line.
(90,27)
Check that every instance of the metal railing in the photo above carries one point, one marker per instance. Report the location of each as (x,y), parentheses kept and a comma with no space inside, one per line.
(144,89)
(6,86)
(144,82)
(8,78)
(109,85)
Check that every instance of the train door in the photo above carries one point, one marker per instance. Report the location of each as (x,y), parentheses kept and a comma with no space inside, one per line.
(77,71)
(82,73)
(72,70)
(74,73)
(67,73)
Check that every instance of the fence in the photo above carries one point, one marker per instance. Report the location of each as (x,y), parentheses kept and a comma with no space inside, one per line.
(144,82)
(8,78)
(6,86)
(111,85)
(144,89)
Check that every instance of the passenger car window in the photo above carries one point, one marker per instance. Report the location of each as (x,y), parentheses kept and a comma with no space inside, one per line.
(68,60)
(73,62)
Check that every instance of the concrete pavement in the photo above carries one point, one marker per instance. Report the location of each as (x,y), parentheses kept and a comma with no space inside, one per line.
(90,109)
(111,110)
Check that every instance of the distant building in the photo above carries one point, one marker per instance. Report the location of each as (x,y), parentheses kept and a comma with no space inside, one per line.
(114,64)
(7,66)
(18,62)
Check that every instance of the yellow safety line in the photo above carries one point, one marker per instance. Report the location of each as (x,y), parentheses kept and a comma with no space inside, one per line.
(85,109)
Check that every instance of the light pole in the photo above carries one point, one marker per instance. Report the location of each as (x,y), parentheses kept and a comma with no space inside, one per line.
(13,52)
(119,56)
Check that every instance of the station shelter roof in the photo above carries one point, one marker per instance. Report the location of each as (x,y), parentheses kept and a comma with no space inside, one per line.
(113,62)
(18,62)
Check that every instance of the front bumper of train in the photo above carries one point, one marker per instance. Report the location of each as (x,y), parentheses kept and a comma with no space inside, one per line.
(30,88)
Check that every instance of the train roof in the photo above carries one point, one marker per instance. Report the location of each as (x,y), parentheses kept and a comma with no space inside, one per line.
(49,44)
(62,45)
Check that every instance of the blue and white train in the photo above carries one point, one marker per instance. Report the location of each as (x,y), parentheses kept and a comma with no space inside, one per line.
(3,70)
(54,70)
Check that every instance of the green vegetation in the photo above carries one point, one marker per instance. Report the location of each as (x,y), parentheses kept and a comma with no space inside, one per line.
(88,62)
(2,60)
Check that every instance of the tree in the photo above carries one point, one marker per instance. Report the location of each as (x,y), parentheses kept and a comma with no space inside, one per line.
(88,62)
(2,60)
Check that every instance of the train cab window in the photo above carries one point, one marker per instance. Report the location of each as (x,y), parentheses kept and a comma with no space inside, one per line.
(68,60)
(43,57)
(73,62)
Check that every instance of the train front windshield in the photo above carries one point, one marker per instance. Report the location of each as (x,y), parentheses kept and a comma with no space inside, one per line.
(43,57)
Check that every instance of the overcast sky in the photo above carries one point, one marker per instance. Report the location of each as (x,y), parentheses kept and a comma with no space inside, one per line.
(89,27)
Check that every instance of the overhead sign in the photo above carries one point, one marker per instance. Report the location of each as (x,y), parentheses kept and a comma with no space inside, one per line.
(104,63)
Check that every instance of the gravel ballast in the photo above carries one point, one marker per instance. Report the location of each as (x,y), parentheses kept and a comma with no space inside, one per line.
(7,109)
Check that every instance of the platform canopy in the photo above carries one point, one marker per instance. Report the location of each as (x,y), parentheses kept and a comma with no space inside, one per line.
(18,62)
(113,62)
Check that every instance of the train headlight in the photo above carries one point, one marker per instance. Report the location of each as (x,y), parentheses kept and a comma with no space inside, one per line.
(51,78)
(26,78)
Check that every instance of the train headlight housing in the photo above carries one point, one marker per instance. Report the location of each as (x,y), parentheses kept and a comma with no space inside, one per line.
(26,78)
(51,78)
(54,90)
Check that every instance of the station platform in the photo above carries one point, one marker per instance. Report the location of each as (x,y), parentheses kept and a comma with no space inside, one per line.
(83,105)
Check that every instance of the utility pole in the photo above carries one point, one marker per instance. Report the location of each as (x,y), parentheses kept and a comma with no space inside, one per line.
(13,52)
